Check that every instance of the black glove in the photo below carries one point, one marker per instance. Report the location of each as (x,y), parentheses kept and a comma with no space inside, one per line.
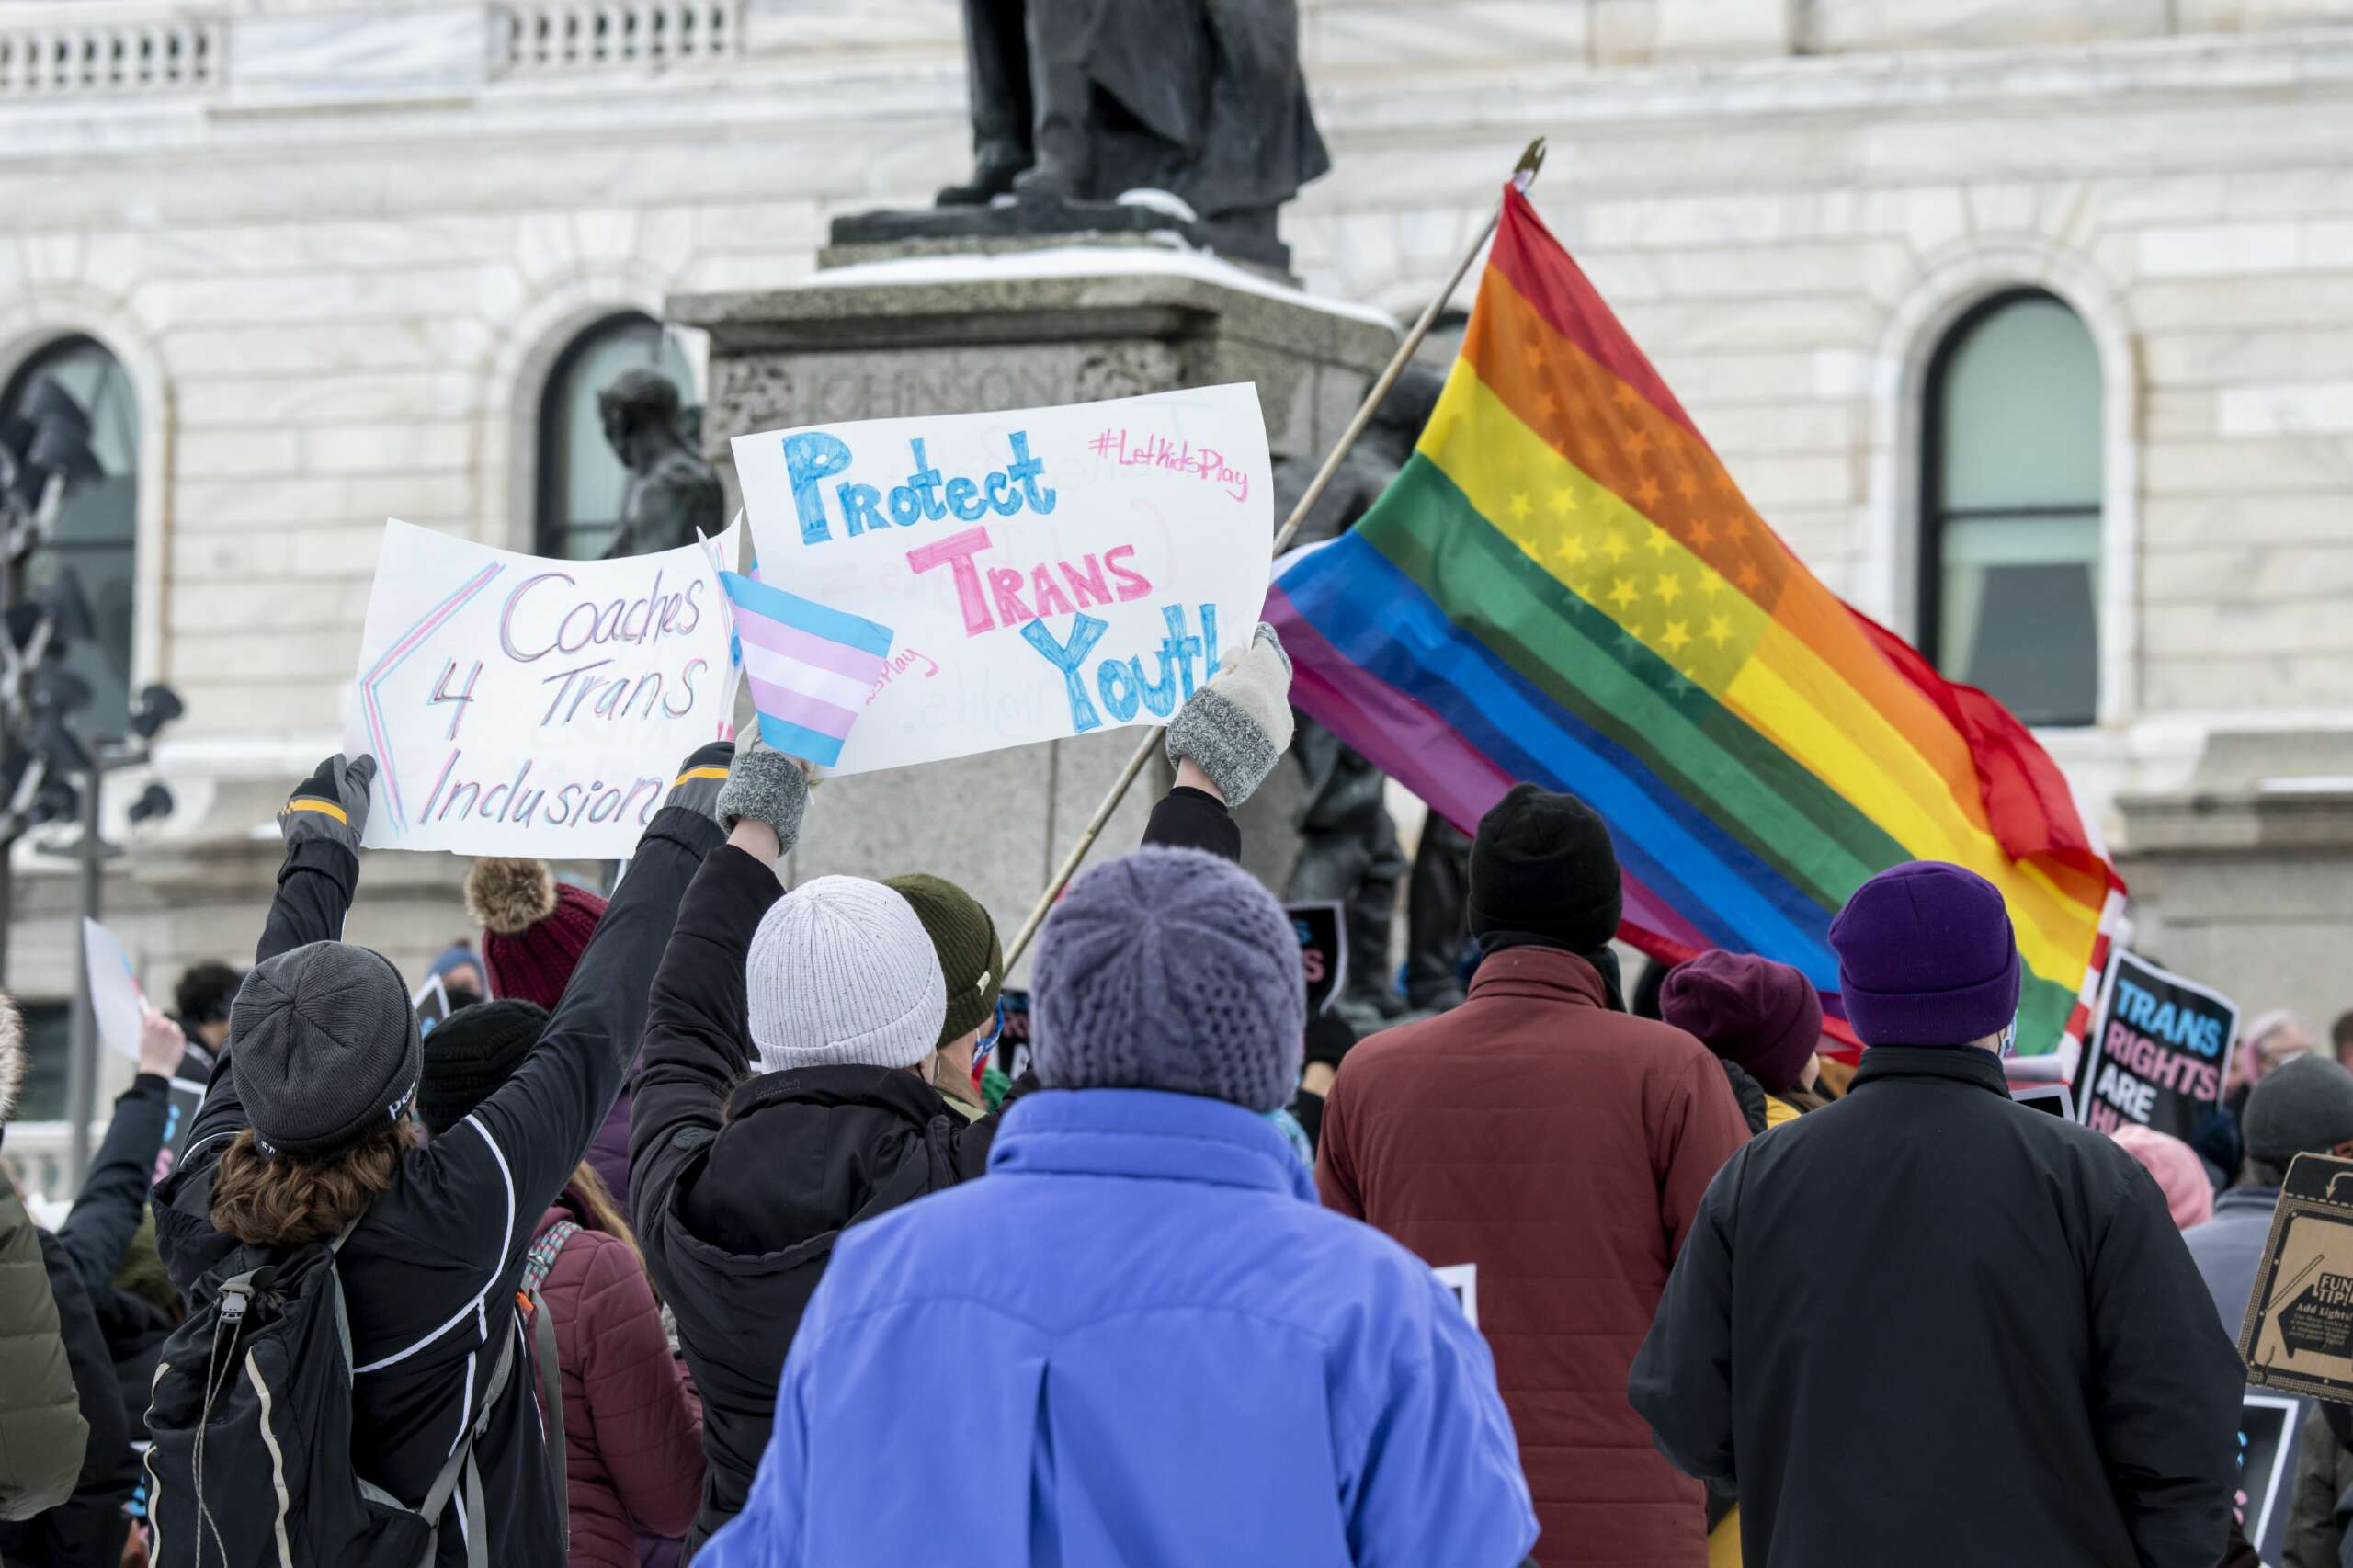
(332,803)
(700,776)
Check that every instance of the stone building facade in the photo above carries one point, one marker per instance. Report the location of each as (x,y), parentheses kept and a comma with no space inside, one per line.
(348,260)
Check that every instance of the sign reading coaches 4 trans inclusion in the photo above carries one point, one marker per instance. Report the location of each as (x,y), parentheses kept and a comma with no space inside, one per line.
(522,705)
(1039,574)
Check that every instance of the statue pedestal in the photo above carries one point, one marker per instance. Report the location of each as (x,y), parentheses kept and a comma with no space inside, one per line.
(1024,329)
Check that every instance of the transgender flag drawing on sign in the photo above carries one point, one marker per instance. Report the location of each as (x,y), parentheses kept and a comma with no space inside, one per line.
(810,669)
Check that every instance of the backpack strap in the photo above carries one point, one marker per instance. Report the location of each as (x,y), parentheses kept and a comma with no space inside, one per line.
(536,1265)
(542,1255)
(462,1460)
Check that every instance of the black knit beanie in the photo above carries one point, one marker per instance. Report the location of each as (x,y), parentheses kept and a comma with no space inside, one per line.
(1542,867)
(325,1043)
(965,939)
(472,1053)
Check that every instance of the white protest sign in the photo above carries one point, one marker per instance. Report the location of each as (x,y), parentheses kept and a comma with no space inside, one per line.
(1041,575)
(117,999)
(521,706)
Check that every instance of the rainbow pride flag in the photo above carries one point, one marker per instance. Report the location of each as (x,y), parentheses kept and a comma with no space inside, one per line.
(1563,585)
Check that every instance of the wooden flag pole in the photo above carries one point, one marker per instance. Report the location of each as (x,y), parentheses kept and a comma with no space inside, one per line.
(1523,175)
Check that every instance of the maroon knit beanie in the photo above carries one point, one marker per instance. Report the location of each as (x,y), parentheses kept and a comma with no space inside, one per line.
(533,927)
(1761,1015)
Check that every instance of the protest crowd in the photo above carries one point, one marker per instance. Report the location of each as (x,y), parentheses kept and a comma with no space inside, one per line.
(698,1230)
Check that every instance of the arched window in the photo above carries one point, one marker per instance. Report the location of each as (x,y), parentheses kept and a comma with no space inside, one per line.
(580,478)
(96,536)
(2009,586)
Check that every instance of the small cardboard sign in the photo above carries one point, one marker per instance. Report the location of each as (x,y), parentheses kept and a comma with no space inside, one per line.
(2054,1098)
(1041,573)
(522,705)
(1013,1045)
(2298,1336)
(432,1003)
(1462,1280)
(1322,935)
(2269,1427)
(2159,1052)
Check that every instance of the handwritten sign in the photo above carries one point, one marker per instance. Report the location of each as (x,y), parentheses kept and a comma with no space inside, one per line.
(521,706)
(2159,1053)
(115,999)
(1041,575)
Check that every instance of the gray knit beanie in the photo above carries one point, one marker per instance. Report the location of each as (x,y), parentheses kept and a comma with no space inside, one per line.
(1170,969)
(842,973)
(325,1045)
(2302,1107)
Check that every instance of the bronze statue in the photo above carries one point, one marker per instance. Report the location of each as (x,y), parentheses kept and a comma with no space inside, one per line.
(672,491)
(1081,101)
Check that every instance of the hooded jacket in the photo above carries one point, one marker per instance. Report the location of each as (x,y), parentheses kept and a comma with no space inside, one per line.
(429,1272)
(42,1434)
(1187,1362)
(2001,1353)
(741,1187)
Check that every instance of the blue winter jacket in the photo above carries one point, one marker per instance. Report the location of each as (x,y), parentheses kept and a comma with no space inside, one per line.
(1172,1356)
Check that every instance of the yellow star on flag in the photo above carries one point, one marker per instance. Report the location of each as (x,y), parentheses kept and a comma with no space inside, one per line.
(1675,636)
(1564,501)
(1625,593)
(1520,507)
(1719,630)
(1572,549)
(1670,587)
(1613,545)
(1658,543)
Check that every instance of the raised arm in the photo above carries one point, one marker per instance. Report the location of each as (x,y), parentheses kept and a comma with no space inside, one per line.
(1224,743)
(539,1121)
(696,1038)
(322,823)
(107,1210)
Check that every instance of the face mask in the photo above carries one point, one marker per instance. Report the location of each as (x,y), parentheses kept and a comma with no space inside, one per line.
(2010,1039)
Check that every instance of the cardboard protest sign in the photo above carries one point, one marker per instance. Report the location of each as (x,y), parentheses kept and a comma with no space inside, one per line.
(1037,574)
(521,706)
(115,997)
(2054,1098)
(2298,1336)
(1323,951)
(2158,1052)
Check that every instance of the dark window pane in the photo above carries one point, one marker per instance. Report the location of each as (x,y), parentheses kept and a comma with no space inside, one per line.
(95,534)
(2011,566)
(47,1029)
(581,479)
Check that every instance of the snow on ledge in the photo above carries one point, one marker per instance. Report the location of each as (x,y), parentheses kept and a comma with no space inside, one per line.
(1084,261)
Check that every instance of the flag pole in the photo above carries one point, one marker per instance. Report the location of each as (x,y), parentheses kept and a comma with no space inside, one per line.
(1523,176)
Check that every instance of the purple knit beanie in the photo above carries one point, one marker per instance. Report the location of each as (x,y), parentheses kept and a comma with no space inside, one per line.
(1751,1011)
(1169,968)
(1926,957)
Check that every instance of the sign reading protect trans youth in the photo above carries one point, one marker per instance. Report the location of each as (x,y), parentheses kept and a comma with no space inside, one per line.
(2159,1052)
(2298,1336)
(1042,573)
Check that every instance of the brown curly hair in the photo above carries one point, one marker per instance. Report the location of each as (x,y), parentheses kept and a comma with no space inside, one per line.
(293,1198)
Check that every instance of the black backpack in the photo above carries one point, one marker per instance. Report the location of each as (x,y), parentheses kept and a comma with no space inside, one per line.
(251,1425)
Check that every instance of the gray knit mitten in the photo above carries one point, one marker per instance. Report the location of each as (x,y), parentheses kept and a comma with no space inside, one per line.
(766,786)
(1238,726)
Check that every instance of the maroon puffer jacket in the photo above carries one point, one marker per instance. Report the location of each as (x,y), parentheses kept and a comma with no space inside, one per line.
(632,1429)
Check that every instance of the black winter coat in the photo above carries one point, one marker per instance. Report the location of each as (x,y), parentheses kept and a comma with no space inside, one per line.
(742,1186)
(98,1232)
(429,1272)
(2001,1354)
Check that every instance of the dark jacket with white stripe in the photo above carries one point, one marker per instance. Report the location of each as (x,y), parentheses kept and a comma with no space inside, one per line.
(429,1273)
